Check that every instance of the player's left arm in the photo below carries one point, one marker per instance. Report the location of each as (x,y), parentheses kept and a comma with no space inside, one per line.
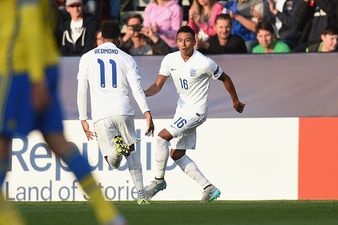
(32,27)
(82,92)
(230,87)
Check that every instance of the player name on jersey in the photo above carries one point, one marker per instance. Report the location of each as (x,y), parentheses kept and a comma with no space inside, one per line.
(105,51)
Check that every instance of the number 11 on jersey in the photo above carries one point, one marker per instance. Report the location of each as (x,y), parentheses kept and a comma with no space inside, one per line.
(103,73)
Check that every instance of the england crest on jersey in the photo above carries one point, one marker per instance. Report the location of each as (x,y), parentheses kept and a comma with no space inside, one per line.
(192,72)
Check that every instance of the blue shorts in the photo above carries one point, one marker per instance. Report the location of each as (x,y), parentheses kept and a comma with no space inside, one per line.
(18,116)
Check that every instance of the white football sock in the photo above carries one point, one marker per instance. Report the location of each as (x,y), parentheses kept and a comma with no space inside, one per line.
(135,170)
(190,168)
(114,159)
(162,155)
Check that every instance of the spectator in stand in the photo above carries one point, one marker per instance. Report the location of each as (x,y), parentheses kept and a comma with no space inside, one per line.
(139,40)
(329,41)
(115,6)
(244,25)
(78,31)
(223,42)
(289,18)
(268,43)
(164,18)
(202,16)
(325,12)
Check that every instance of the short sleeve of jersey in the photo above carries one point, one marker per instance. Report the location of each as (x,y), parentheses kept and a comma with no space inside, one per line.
(83,70)
(165,66)
(214,70)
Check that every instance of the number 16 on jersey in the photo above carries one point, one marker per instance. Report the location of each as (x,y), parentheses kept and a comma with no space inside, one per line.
(180,122)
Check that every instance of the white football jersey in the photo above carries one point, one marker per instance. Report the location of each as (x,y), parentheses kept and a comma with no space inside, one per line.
(191,78)
(109,72)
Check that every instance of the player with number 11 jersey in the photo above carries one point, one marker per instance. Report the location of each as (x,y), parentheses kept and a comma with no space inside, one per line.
(108,71)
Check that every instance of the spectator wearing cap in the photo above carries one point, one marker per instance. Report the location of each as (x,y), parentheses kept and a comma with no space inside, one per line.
(77,31)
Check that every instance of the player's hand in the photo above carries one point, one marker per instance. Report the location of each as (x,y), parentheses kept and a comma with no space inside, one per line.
(150,124)
(238,106)
(40,96)
(85,126)
(150,128)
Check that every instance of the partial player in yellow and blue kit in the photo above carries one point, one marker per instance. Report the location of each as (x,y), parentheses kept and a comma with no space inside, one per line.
(28,96)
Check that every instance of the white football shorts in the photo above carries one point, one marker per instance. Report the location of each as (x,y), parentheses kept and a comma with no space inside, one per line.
(183,129)
(106,129)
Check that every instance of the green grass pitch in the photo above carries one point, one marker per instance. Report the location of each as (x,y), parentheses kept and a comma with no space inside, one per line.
(188,213)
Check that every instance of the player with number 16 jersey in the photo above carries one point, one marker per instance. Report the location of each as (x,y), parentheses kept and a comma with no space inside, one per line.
(191,72)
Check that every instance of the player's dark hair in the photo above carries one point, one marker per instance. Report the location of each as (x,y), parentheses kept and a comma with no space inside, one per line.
(186,29)
(110,29)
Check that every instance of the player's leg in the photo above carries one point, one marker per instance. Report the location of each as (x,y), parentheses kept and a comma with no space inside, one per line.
(161,156)
(15,117)
(126,130)
(8,214)
(188,141)
(179,124)
(123,127)
(135,170)
(178,154)
(105,133)
(50,124)
(188,166)
(70,154)
(162,152)
(4,151)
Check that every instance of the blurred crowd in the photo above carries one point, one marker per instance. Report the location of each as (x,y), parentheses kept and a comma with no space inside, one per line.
(222,27)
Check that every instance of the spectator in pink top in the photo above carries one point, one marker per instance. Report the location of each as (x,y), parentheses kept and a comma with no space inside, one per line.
(202,16)
(164,17)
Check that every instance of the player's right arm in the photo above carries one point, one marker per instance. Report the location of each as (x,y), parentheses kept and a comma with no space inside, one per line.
(161,77)
(150,124)
(82,91)
(230,87)
(156,86)
(134,80)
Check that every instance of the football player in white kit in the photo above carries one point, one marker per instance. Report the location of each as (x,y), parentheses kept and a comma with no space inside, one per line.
(190,71)
(109,72)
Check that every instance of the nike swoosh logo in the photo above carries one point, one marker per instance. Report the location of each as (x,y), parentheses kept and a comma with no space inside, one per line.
(172,69)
